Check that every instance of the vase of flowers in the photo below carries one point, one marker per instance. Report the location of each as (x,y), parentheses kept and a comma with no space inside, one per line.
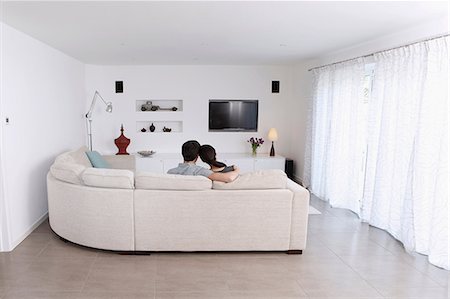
(255,143)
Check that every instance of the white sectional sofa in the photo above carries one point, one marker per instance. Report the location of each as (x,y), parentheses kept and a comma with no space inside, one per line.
(118,209)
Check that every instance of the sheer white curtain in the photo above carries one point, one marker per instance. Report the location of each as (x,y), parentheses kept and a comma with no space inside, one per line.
(335,141)
(406,186)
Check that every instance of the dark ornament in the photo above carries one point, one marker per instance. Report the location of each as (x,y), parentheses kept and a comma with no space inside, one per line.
(143,130)
(167,129)
(122,143)
(152,128)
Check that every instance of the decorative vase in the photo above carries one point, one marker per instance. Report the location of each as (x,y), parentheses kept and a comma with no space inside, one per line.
(254,148)
(122,143)
(152,128)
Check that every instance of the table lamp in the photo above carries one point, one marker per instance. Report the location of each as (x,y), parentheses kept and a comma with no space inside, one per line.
(273,136)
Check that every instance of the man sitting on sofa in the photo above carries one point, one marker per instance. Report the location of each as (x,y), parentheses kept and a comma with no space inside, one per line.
(190,150)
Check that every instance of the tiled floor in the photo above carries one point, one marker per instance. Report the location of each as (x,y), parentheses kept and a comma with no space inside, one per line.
(343,259)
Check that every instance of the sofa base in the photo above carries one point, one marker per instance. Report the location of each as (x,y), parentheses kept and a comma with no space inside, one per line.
(295,251)
(150,252)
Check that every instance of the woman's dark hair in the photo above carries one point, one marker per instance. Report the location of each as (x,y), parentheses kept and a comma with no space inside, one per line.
(189,150)
(208,155)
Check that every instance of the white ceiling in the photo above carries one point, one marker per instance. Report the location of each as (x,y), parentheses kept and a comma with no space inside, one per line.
(111,32)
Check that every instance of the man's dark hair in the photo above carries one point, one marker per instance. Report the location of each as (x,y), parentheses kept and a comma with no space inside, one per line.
(189,150)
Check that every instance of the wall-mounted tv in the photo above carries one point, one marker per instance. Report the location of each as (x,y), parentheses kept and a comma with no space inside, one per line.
(233,115)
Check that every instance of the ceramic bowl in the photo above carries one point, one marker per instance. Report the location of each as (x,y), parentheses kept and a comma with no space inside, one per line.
(146,153)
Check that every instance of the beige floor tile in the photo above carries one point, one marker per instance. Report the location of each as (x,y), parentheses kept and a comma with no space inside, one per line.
(116,295)
(193,295)
(254,267)
(43,228)
(41,295)
(229,295)
(385,267)
(193,283)
(57,248)
(416,280)
(54,275)
(264,284)
(12,268)
(122,274)
(338,287)
(420,262)
(416,293)
(266,295)
(31,247)
(343,259)
(199,274)
(2,292)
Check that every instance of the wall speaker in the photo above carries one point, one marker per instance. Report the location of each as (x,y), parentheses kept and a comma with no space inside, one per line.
(119,86)
(275,86)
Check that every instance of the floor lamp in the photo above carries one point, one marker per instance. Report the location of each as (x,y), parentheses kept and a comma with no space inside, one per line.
(109,108)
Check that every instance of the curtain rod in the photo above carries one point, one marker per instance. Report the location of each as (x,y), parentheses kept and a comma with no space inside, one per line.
(368,55)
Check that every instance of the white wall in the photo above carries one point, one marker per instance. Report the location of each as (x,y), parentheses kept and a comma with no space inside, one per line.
(195,85)
(43,95)
(302,81)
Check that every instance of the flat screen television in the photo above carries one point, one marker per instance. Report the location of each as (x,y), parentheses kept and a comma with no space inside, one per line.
(233,115)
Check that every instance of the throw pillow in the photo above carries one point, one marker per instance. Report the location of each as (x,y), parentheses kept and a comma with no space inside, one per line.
(97,160)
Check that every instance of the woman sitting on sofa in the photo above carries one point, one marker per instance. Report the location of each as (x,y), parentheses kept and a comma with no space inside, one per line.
(190,151)
(208,155)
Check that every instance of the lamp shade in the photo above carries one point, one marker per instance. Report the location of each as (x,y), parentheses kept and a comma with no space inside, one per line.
(273,135)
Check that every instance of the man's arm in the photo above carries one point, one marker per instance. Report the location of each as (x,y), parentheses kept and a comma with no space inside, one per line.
(226,177)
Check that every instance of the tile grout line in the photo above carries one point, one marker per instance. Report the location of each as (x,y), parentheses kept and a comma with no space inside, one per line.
(156,277)
(91,266)
(408,263)
(354,270)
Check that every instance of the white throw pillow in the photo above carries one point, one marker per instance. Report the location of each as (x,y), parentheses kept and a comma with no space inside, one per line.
(154,181)
(68,172)
(108,178)
(263,179)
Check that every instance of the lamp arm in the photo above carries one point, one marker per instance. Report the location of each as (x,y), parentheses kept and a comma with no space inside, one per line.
(94,99)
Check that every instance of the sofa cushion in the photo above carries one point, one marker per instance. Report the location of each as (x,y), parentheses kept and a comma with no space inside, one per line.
(108,178)
(97,160)
(68,172)
(154,181)
(263,179)
(78,156)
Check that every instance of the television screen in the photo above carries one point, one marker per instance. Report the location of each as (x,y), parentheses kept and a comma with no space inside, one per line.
(233,115)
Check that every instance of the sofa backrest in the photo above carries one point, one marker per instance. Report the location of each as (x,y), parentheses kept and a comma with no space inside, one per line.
(154,181)
(108,178)
(74,167)
(78,157)
(68,172)
(262,179)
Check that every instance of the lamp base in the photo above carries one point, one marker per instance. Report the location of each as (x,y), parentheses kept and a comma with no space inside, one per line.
(272,151)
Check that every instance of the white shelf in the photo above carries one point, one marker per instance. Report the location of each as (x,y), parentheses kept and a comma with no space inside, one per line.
(164,104)
(176,126)
(161,162)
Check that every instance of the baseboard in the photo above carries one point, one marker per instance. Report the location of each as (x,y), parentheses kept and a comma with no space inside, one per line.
(29,231)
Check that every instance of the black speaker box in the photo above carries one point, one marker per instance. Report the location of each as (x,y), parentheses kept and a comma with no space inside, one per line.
(119,86)
(275,86)
(289,168)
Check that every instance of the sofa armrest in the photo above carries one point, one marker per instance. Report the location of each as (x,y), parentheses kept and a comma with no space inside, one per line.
(299,219)
(121,161)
